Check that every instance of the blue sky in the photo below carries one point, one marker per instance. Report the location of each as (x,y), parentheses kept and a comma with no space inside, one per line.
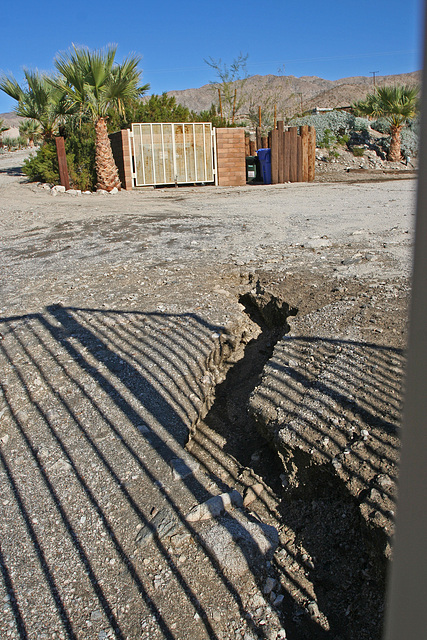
(327,38)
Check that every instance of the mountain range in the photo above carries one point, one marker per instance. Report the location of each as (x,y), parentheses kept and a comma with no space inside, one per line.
(290,94)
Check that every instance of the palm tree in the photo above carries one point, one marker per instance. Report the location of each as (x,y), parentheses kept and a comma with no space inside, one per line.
(30,129)
(40,100)
(397,105)
(93,84)
(3,128)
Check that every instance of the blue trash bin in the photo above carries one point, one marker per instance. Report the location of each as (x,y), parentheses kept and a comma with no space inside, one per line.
(264,156)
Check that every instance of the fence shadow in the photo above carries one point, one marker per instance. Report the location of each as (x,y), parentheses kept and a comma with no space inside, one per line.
(95,406)
(333,408)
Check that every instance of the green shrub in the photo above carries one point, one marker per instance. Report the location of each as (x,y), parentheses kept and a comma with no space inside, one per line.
(358,151)
(80,149)
(12,144)
(381,125)
(339,123)
(80,152)
(327,140)
(43,166)
(343,140)
(333,154)
(361,124)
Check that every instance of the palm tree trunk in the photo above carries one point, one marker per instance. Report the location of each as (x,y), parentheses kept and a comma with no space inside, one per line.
(394,151)
(106,170)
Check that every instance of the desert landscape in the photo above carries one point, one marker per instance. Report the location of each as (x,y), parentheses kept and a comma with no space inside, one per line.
(200,412)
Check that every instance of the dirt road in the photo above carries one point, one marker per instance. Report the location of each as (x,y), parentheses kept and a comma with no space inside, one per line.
(134,323)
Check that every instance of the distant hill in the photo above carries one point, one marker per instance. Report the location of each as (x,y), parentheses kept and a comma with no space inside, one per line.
(288,92)
(11,119)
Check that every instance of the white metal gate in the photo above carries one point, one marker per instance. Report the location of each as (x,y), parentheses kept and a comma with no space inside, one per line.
(173,153)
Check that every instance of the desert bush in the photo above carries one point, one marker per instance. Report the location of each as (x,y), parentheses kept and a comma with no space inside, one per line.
(338,123)
(409,136)
(333,154)
(358,151)
(12,144)
(43,166)
(409,143)
(80,152)
(361,124)
(343,140)
(381,125)
(327,140)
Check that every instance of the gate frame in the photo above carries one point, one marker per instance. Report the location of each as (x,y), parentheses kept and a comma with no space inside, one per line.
(132,154)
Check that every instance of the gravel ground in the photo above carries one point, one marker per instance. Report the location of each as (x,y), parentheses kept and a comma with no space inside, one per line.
(123,328)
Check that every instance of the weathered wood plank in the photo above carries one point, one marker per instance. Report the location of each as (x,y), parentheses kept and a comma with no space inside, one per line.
(293,131)
(304,141)
(311,153)
(258,138)
(280,159)
(299,159)
(274,157)
(62,161)
(286,155)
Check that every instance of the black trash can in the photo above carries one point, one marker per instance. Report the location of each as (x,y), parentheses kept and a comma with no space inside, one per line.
(253,173)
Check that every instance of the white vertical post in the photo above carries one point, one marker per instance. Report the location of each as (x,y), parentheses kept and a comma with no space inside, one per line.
(215,156)
(142,154)
(152,154)
(163,154)
(131,157)
(175,174)
(185,155)
(204,153)
(195,153)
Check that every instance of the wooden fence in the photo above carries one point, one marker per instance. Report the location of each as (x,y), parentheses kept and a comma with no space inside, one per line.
(293,152)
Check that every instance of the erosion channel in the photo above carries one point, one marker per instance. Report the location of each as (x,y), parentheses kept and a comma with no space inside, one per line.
(328,572)
(200,409)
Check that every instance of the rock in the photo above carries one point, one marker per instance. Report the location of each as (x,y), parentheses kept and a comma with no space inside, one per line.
(101,192)
(164,523)
(58,188)
(62,465)
(252,493)
(113,191)
(215,506)
(240,544)
(183,468)
(270,583)
(316,243)
(278,601)
(4,439)
(74,192)
(353,260)
(142,428)
(384,481)
(95,616)
(313,609)
(180,538)
(258,601)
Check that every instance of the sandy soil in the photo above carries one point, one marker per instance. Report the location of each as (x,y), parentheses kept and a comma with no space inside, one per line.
(122,316)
